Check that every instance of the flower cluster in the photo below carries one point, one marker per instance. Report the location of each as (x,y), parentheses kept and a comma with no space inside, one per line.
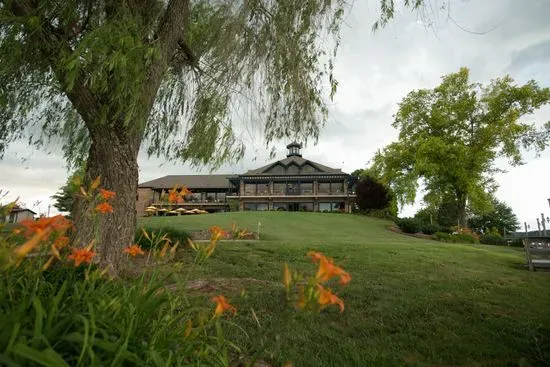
(313,293)
(204,252)
(176,196)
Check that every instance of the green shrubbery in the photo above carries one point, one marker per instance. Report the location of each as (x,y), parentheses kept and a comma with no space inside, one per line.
(409,225)
(70,317)
(493,239)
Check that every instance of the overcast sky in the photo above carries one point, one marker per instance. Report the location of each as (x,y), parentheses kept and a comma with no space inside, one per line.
(375,71)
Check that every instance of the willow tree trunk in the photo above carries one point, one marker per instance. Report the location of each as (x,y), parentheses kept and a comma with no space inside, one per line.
(113,157)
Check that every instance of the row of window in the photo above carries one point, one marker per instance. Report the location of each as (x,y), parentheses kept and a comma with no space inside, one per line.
(197,197)
(295,207)
(293,188)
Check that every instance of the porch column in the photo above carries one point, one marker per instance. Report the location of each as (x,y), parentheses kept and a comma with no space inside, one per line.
(315,188)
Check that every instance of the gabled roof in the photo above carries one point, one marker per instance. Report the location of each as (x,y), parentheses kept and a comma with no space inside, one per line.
(19,209)
(190,181)
(300,162)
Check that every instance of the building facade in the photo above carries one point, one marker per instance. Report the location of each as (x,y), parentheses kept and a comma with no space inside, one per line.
(17,215)
(290,184)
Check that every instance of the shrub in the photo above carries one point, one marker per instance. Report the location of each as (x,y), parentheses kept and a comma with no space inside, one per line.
(409,225)
(431,228)
(492,239)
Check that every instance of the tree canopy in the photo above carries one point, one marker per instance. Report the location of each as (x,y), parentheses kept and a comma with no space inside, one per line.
(501,216)
(372,194)
(450,137)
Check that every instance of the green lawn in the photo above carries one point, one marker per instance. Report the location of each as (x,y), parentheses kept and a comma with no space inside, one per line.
(410,302)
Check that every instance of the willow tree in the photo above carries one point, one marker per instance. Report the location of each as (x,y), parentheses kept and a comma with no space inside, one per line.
(109,78)
(450,137)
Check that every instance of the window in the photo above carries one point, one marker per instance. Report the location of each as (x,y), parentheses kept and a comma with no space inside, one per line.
(256,206)
(279,188)
(331,207)
(324,188)
(306,188)
(336,187)
(306,207)
(210,197)
(262,206)
(250,189)
(280,206)
(196,197)
(262,189)
(220,197)
(292,188)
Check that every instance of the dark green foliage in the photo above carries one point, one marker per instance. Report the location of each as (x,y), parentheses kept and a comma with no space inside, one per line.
(428,228)
(455,238)
(64,198)
(447,213)
(60,318)
(500,216)
(409,225)
(492,239)
(372,194)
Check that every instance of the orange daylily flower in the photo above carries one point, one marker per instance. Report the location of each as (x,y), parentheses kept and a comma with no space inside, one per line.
(326,297)
(31,244)
(222,305)
(216,233)
(133,250)
(56,223)
(81,255)
(185,191)
(327,269)
(287,277)
(106,194)
(104,208)
(60,242)
(174,196)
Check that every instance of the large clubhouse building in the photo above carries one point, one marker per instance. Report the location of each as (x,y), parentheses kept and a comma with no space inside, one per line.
(290,184)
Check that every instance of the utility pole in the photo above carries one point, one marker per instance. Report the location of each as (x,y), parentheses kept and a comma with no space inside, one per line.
(538,225)
(526,231)
(543,224)
(49,206)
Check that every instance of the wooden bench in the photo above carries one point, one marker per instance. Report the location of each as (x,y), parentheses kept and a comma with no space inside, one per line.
(539,247)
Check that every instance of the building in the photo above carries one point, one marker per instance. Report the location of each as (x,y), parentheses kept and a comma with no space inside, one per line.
(18,214)
(290,184)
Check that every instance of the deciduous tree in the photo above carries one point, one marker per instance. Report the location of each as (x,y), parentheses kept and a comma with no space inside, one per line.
(450,137)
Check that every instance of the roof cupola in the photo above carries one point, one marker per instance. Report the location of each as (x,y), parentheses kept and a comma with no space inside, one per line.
(294,149)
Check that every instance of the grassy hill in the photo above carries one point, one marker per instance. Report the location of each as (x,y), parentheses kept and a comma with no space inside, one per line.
(410,302)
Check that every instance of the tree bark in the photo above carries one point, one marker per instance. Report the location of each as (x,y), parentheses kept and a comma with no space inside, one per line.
(113,157)
(462,214)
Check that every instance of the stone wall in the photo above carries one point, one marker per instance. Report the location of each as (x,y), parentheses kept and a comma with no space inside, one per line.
(144,198)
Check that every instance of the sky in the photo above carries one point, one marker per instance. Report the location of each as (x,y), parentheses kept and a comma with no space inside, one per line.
(375,71)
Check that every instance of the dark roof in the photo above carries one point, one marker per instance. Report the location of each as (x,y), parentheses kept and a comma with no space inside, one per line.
(22,210)
(299,161)
(190,181)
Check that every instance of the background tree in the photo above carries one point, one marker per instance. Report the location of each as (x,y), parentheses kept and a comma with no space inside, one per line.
(450,137)
(373,195)
(501,216)
(65,197)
